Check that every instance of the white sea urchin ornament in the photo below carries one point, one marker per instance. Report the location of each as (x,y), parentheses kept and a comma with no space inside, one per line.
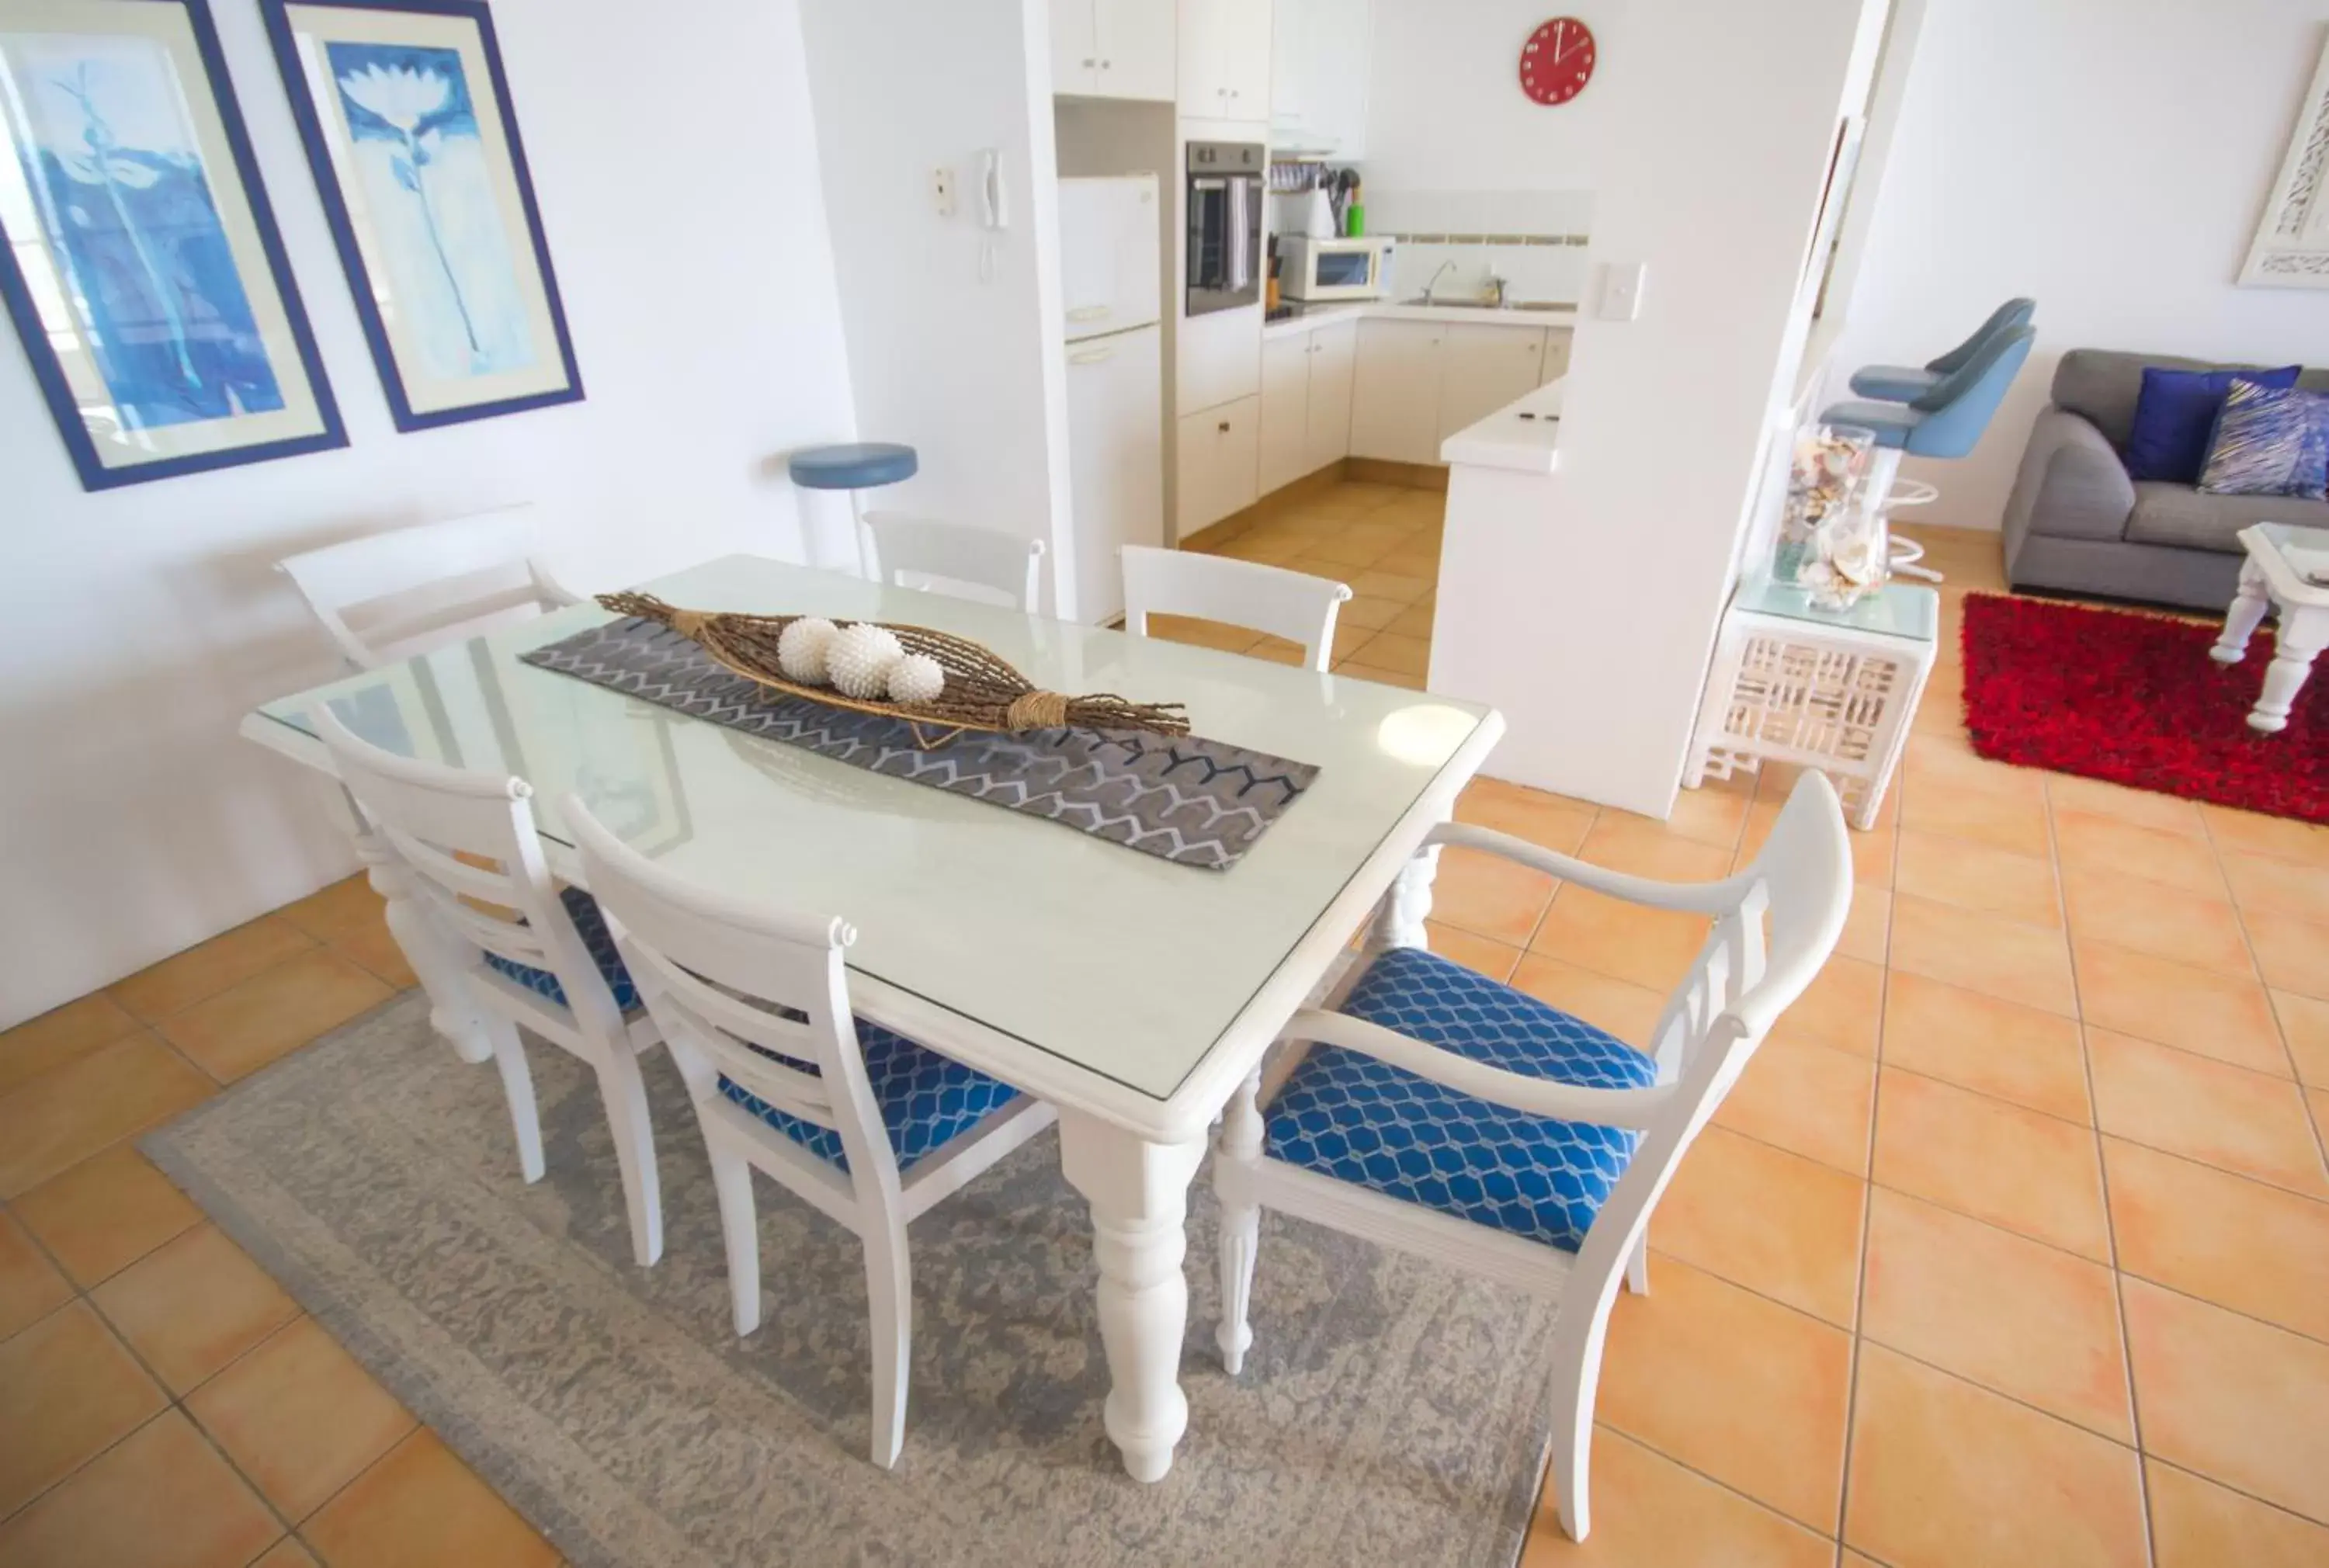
(916,679)
(801,649)
(859,658)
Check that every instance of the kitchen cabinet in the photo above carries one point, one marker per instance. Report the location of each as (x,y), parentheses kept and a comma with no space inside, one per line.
(1318,62)
(1333,352)
(1217,466)
(1395,390)
(1483,367)
(1115,48)
(1285,434)
(1556,354)
(1219,357)
(1224,59)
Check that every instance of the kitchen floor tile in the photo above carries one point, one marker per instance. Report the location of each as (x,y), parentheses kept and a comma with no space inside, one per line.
(1554,821)
(1390,651)
(2261,885)
(1493,959)
(2226,1017)
(207,968)
(70,1113)
(1649,1512)
(1397,586)
(300,1417)
(1368,611)
(1358,671)
(1946,1474)
(2031,1174)
(374,951)
(29,1286)
(2001,1048)
(106,1213)
(2304,1026)
(2016,1316)
(1842,1009)
(2274,838)
(2223,1238)
(59,1036)
(1200,633)
(2154,918)
(339,911)
(2001,958)
(68,1391)
(1643,847)
(1627,1010)
(2238,1401)
(2204,1110)
(1805,1098)
(2013,819)
(2091,842)
(1974,876)
(1415,621)
(1736,1386)
(1868,929)
(2293,954)
(2142,808)
(161,1498)
(1713,813)
(420,1504)
(2197,1524)
(288,1553)
(1650,947)
(194,1305)
(1782,1225)
(250,1025)
(1489,895)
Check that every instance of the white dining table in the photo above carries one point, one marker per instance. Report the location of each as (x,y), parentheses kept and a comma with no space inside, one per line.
(1133,993)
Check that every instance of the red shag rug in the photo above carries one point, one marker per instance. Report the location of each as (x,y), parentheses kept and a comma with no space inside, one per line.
(2134,699)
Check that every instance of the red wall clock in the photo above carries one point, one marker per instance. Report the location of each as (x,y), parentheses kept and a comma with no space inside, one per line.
(1557,61)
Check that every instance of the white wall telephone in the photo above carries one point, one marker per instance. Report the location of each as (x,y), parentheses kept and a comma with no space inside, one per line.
(994,208)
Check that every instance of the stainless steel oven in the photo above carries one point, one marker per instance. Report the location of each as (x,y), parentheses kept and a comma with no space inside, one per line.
(1225,194)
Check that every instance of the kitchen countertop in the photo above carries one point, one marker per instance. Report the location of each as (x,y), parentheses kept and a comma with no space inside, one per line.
(1521,436)
(1564,316)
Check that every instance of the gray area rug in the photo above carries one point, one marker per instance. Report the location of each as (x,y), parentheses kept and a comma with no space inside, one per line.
(1390,1412)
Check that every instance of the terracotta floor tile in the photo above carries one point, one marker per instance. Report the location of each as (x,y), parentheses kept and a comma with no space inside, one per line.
(300,1417)
(2221,1237)
(162,1498)
(67,1389)
(1782,1225)
(1420,560)
(1650,947)
(2031,1174)
(1940,766)
(2221,1016)
(1868,929)
(420,1504)
(1804,1097)
(1198,633)
(1352,549)
(1390,651)
(2304,1026)
(374,951)
(1998,957)
(2317,1102)
(2143,808)
(2276,838)
(2091,842)
(1358,671)
(1649,1512)
(2218,1114)
(1946,1474)
(2261,885)
(1627,1010)
(288,1553)
(106,1213)
(1715,813)
(70,1113)
(207,968)
(29,1286)
(59,1036)
(2013,819)
(1554,821)
(1842,1009)
(1734,1386)
(1278,651)
(193,1305)
(1415,621)
(340,910)
(2293,954)
(1381,584)
(1643,847)
(1974,876)
(2238,1401)
(2016,1316)
(1347,639)
(1493,959)
(250,1025)
(2197,1524)
(1489,895)
(1370,612)
(2000,1049)
(2147,917)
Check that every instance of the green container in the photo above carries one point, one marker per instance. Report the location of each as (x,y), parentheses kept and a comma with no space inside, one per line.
(1354,221)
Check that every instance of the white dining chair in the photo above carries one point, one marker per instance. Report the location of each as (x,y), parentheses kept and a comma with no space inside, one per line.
(1438,1112)
(868,1126)
(391,595)
(527,952)
(1006,565)
(1291,605)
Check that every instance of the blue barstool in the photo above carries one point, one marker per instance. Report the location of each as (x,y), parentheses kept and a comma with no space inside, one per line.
(856,467)
(1907,384)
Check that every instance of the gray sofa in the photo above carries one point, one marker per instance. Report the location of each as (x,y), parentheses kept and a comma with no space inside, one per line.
(2076,524)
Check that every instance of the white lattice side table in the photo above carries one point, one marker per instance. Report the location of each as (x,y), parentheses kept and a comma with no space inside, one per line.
(1833,689)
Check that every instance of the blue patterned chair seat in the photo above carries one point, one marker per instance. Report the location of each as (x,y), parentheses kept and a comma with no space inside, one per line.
(592,925)
(926,1099)
(1364,1122)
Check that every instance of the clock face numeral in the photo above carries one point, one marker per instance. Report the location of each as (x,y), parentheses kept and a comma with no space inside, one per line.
(1557,61)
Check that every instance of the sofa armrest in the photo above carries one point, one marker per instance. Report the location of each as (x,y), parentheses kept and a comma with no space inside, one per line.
(2073,484)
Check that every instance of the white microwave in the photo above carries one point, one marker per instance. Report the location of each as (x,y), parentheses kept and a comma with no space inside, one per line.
(1310,269)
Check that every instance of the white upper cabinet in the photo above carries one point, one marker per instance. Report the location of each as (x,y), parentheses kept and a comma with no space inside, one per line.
(1319,75)
(1224,59)
(1114,48)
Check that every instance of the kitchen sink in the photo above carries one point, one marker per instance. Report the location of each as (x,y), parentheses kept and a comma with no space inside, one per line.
(1483,305)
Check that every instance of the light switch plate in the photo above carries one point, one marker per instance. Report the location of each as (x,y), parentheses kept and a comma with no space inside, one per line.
(942,190)
(1620,297)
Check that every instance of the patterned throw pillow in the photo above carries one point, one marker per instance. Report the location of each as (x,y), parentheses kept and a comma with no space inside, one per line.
(2269,441)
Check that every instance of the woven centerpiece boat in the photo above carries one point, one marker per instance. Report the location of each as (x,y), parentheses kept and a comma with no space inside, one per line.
(982,692)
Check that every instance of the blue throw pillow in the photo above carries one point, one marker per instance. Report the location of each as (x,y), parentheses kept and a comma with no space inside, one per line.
(2269,441)
(2174,414)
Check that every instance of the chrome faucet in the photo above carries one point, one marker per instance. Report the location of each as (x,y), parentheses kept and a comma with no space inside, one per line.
(1445,268)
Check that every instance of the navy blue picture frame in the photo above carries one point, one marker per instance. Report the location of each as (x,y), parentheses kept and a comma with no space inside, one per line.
(335,208)
(49,373)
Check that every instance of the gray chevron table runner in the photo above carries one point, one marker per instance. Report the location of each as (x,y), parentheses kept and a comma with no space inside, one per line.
(1196,801)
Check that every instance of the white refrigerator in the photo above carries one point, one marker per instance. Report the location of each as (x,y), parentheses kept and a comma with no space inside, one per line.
(1108,241)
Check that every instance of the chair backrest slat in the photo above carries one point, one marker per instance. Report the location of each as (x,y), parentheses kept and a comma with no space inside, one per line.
(1291,605)
(1009,568)
(389,596)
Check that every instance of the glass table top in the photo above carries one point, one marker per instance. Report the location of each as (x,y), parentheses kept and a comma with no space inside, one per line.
(2304,552)
(1122,962)
(1897,609)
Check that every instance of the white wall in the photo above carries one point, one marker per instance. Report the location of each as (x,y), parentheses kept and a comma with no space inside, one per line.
(2108,158)
(959,357)
(143,623)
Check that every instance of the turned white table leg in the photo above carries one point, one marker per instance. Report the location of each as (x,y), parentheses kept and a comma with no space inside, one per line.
(1399,918)
(2243,618)
(435,961)
(2302,632)
(1139,1198)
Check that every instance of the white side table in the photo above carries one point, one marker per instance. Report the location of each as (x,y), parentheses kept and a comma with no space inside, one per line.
(2287,569)
(1833,689)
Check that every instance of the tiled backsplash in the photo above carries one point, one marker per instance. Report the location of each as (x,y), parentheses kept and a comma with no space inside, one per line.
(1533,239)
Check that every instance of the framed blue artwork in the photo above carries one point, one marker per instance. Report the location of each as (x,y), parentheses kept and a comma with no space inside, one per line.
(409,126)
(139,257)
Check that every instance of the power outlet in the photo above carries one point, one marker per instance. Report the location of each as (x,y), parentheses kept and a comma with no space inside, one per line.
(1620,297)
(942,190)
